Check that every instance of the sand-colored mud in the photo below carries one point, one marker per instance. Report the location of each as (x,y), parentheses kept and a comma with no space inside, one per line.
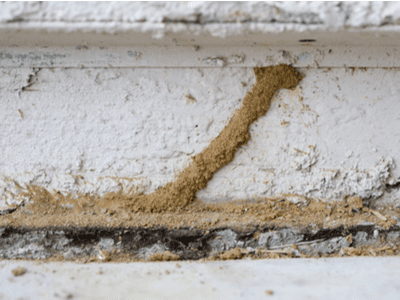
(222,149)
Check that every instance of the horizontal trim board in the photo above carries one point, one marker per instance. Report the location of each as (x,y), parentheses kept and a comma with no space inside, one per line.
(83,56)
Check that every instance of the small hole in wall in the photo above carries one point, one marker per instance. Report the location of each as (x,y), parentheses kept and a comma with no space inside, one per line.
(307,41)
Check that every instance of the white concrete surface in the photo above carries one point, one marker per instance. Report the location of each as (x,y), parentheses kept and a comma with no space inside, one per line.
(334,278)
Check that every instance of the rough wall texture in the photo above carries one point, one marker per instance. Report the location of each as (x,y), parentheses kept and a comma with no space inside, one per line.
(335,14)
(199,22)
(90,130)
(79,118)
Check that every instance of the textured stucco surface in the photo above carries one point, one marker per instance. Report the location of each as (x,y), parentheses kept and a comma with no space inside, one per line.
(334,13)
(95,130)
(199,23)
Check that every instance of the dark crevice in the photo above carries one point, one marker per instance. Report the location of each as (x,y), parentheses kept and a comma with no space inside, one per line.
(33,78)
(8,211)
(17,20)
(307,41)
(183,21)
(391,187)
(189,243)
(200,19)
(340,231)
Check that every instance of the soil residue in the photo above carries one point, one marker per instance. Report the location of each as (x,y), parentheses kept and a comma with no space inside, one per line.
(19,271)
(47,209)
(235,253)
(164,256)
(222,149)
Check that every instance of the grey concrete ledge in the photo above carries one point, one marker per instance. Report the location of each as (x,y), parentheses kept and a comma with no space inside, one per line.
(188,243)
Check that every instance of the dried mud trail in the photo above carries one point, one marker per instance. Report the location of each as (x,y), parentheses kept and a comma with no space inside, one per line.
(222,149)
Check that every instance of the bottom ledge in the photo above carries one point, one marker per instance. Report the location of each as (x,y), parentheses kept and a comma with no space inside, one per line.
(123,244)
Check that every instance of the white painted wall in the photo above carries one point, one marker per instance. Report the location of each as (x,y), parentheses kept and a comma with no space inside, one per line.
(330,14)
(83,112)
(199,23)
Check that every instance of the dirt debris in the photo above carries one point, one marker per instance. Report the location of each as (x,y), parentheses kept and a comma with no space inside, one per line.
(378,214)
(47,209)
(355,202)
(235,253)
(103,254)
(349,238)
(269,292)
(369,251)
(164,256)
(19,271)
